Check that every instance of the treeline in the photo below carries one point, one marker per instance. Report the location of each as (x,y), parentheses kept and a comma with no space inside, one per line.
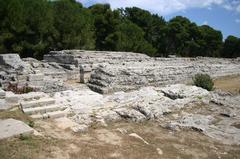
(34,27)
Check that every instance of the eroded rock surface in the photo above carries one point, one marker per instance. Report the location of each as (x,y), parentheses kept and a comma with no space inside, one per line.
(175,107)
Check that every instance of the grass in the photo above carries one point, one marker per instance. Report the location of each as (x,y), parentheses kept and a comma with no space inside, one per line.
(27,147)
(18,115)
(229,84)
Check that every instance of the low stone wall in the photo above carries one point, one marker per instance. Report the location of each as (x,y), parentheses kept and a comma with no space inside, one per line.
(157,72)
(107,71)
(17,73)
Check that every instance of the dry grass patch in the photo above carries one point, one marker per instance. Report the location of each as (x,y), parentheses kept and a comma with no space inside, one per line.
(27,147)
(229,84)
(15,114)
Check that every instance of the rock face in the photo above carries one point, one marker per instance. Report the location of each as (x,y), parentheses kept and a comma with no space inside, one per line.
(176,107)
(148,103)
(12,61)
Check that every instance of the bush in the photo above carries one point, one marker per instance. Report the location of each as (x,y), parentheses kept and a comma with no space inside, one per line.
(20,90)
(204,81)
(31,124)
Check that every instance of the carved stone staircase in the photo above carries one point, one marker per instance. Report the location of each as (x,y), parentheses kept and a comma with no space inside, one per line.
(41,107)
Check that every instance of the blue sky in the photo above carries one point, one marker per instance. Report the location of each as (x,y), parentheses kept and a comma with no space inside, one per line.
(222,15)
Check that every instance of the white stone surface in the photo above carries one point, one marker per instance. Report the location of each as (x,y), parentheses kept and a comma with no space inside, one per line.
(2,94)
(12,128)
(138,137)
(12,61)
(12,98)
(36,77)
(3,104)
(37,103)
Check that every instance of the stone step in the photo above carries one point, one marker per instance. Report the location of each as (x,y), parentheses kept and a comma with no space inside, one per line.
(33,96)
(96,88)
(41,110)
(52,115)
(37,103)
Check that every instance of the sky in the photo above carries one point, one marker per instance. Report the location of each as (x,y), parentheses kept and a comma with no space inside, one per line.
(223,15)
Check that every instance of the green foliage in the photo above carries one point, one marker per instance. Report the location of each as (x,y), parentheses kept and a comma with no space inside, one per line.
(105,22)
(31,123)
(153,27)
(25,137)
(231,47)
(20,90)
(204,81)
(73,26)
(34,27)
(129,37)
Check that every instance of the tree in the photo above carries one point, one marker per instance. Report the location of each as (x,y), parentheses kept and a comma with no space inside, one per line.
(231,47)
(26,27)
(39,34)
(129,37)
(153,25)
(34,27)
(13,25)
(177,35)
(185,38)
(105,22)
(212,44)
(74,26)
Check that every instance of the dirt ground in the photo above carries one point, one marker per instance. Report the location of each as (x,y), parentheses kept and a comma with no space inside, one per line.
(115,141)
(229,84)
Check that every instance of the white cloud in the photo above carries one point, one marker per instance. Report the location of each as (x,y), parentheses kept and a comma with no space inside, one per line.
(237,20)
(238,8)
(205,23)
(228,7)
(165,7)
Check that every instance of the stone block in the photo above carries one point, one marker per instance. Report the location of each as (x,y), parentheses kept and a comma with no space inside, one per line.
(85,68)
(35,83)
(11,128)
(12,61)
(22,77)
(41,110)
(37,103)
(12,98)
(37,71)
(3,104)
(2,94)
(35,77)
(56,114)
(21,84)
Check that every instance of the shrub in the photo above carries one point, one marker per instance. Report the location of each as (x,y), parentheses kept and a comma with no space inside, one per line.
(204,81)
(20,90)
(31,123)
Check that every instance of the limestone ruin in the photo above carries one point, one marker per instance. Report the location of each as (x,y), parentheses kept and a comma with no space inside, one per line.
(101,87)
